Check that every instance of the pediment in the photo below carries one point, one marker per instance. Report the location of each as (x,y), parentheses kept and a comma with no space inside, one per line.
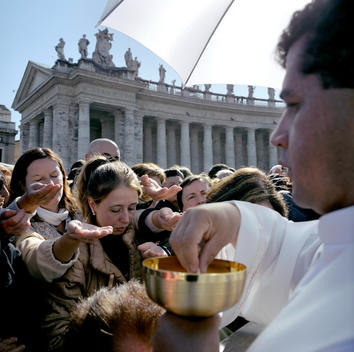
(34,77)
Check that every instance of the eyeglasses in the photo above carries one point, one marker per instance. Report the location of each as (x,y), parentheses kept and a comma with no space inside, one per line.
(110,157)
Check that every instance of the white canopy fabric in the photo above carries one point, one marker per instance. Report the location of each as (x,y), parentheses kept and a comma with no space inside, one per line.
(208,41)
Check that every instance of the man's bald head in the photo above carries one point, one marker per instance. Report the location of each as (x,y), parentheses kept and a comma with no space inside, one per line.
(105,147)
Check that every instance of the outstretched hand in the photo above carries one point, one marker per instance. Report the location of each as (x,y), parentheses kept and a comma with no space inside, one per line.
(165,218)
(215,225)
(152,189)
(14,222)
(10,345)
(150,249)
(85,232)
(38,194)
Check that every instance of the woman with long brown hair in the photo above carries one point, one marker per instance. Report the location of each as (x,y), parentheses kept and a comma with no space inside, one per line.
(38,185)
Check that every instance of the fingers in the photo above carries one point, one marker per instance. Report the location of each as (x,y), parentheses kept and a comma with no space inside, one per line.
(168,219)
(144,180)
(7,213)
(173,190)
(10,345)
(47,193)
(86,232)
(38,194)
(185,239)
(208,253)
(17,223)
(145,246)
(92,234)
(150,249)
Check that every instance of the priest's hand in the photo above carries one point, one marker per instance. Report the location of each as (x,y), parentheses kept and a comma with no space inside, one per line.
(202,232)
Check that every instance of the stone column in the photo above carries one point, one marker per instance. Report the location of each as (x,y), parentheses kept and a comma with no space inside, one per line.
(129,148)
(118,135)
(239,149)
(24,134)
(161,143)
(147,141)
(273,153)
(230,147)
(185,145)
(40,133)
(195,150)
(207,148)
(83,129)
(33,134)
(251,147)
(60,127)
(139,139)
(217,145)
(171,146)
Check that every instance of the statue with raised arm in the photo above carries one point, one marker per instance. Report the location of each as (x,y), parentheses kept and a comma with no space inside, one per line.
(101,54)
(83,43)
(162,73)
(128,58)
(59,48)
(135,64)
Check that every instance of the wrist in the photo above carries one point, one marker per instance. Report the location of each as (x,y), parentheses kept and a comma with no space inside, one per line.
(71,237)
(154,219)
(24,203)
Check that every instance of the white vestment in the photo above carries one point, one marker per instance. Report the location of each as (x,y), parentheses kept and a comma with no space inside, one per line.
(300,280)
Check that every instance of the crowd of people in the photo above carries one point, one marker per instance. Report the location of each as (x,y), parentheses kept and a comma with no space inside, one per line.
(72,246)
(82,238)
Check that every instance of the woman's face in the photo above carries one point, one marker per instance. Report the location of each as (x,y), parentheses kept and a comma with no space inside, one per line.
(116,209)
(194,194)
(46,171)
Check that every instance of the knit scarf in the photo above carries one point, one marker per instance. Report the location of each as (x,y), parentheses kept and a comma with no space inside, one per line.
(51,217)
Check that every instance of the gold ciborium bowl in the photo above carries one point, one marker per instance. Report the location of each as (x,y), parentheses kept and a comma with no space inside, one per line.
(191,294)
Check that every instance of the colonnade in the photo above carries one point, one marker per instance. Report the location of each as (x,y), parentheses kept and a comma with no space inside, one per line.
(141,137)
(199,146)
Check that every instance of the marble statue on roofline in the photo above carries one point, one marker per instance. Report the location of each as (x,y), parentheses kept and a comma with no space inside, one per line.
(271,93)
(83,43)
(162,73)
(101,54)
(250,92)
(135,64)
(59,48)
(229,89)
(128,57)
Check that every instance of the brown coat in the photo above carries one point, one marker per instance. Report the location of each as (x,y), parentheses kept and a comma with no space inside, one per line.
(92,271)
